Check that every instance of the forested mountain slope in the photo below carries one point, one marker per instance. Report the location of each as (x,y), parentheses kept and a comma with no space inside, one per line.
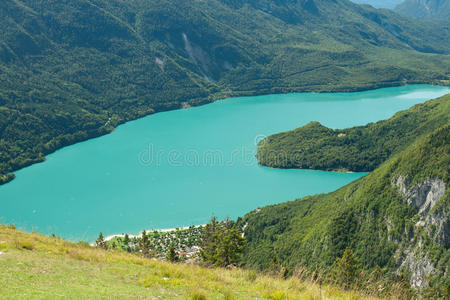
(395,220)
(433,9)
(357,149)
(71,70)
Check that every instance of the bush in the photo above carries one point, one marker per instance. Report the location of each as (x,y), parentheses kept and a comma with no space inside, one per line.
(26,245)
(228,295)
(276,295)
(197,295)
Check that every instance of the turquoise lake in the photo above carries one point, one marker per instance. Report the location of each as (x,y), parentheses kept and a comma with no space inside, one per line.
(181,167)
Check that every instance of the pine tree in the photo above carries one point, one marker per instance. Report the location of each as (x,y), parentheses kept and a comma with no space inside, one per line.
(100,242)
(145,245)
(231,244)
(172,254)
(126,242)
(222,243)
(126,239)
(345,270)
(209,241)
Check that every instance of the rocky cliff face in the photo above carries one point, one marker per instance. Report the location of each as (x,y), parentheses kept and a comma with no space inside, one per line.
(422,196)
(433,220)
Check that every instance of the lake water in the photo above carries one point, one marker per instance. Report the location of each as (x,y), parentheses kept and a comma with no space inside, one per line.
(179,168)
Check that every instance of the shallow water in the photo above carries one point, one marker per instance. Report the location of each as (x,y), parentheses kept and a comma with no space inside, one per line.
(181,167)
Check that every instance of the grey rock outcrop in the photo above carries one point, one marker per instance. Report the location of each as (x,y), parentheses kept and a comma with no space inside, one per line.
(433,219)
(422,196)
(419,266)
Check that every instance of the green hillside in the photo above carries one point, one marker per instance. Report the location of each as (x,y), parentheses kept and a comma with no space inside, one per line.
(33,266)
(395,220)
(73,70)
(358,149)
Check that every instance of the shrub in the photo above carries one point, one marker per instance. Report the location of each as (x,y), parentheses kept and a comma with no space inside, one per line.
(251,276)
(228,295)
(26,245)
(276,295)
(197,295)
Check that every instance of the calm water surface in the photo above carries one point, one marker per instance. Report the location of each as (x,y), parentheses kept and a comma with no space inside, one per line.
(179,168)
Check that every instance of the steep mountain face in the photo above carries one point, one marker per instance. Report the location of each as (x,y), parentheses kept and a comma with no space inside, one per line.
(433,9)
(395,218)
(72,70)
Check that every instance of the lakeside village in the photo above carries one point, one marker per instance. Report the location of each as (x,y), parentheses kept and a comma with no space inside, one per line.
(191,244)
(186,242)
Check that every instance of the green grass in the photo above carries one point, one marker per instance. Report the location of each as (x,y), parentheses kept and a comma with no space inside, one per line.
(39,267)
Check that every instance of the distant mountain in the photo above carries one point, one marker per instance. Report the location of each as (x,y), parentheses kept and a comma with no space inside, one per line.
(74,69)
(379,3)
(433,9)
(395,220)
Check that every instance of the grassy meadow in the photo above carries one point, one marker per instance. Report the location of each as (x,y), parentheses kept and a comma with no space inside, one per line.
(40,267)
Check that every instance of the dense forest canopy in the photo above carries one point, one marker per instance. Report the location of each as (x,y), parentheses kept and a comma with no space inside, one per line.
(72,70)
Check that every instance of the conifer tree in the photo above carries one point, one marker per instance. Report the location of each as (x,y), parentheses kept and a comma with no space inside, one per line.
(126,239)
(145,245)
(126,242)
(231,244)
(100,242)
(172,254)
(209,241)
(222,243)
(344,271)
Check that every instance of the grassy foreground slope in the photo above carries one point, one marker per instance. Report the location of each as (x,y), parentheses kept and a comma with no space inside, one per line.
(33,266)
(74,69)
(357,149)
(396,218)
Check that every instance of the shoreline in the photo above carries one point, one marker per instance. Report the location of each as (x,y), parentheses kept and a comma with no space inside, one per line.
(218,97)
